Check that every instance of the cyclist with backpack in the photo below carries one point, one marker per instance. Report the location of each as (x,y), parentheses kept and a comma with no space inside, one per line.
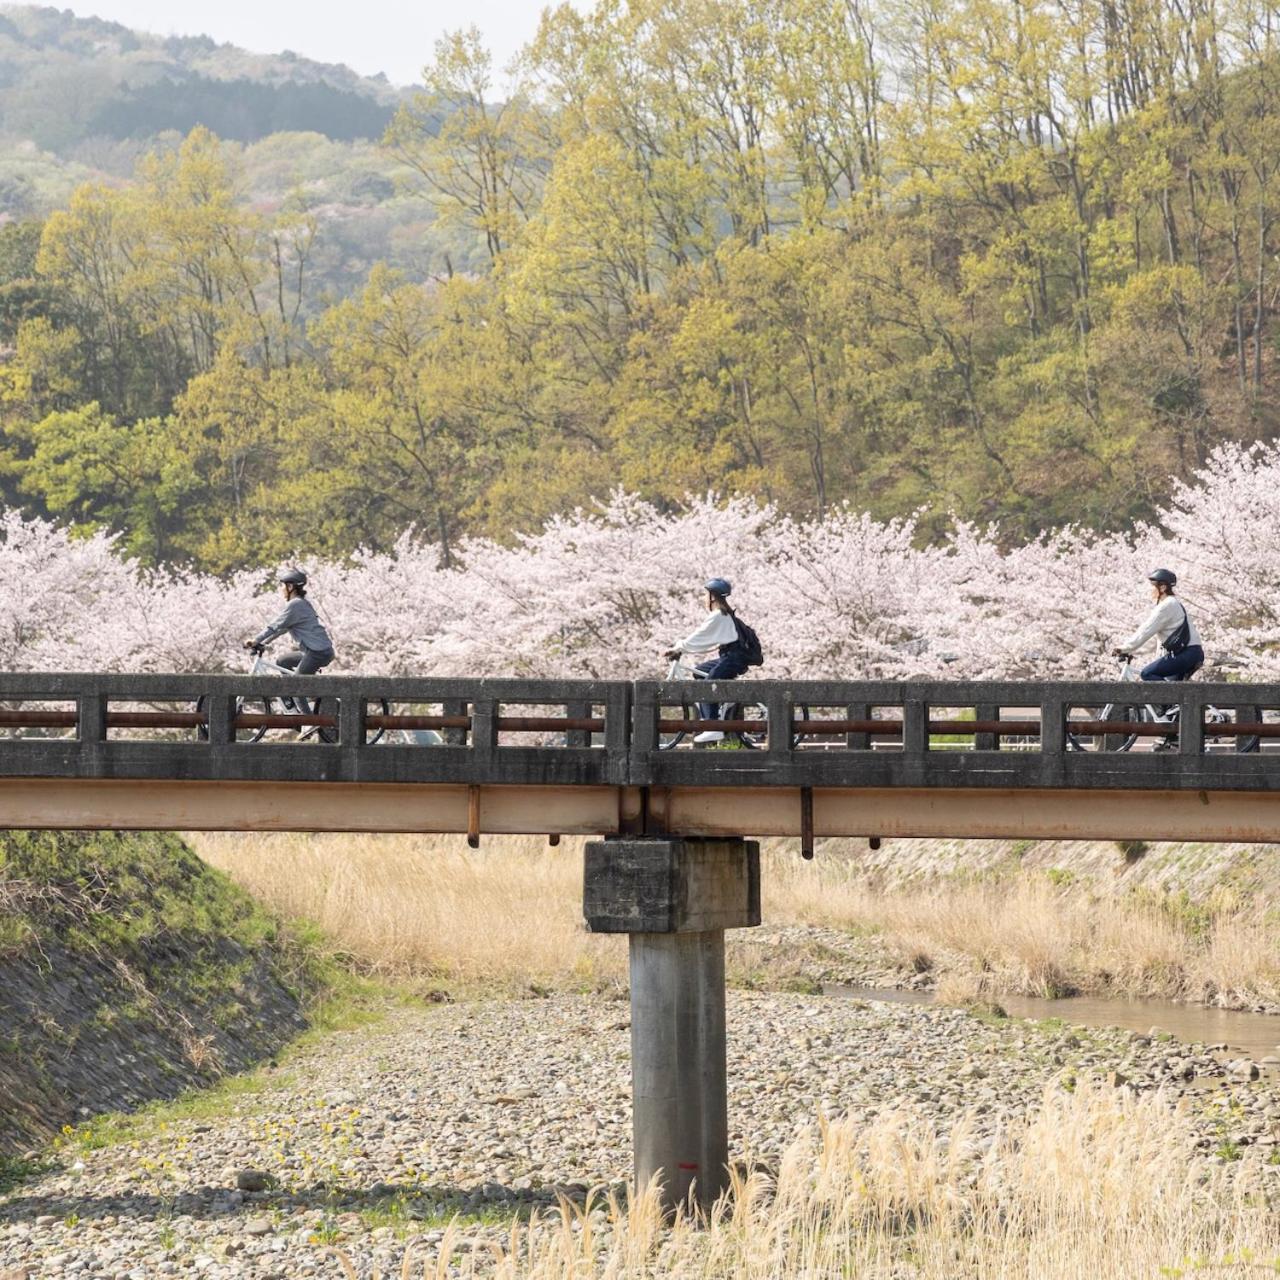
(1170,622)
(737,647)
(300,620)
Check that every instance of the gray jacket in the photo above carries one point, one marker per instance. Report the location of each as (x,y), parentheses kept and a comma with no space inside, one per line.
(305,629)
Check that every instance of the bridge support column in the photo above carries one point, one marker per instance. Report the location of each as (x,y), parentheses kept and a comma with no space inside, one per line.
(675,898)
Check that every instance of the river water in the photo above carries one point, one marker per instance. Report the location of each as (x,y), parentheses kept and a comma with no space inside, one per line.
(1252,1035)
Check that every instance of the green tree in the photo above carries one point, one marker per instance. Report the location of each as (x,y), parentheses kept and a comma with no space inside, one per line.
(88,467)
(477,157)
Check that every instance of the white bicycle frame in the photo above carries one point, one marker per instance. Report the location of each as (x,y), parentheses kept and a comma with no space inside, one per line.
(681,670)
(263,666)
(1129,671)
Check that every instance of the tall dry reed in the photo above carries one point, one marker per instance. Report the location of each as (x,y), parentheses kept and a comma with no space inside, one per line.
(1024,933)
(1094,1186)
(509,913)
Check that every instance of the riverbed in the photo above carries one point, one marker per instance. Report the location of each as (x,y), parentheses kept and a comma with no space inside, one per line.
(493,1109)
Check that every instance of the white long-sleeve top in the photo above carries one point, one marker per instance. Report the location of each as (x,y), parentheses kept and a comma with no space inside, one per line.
(1161,622)
(718,629)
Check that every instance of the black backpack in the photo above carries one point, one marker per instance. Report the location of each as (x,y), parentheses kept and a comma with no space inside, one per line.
(749,643)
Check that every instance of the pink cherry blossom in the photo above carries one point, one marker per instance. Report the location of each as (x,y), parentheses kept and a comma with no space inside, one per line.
(601,592)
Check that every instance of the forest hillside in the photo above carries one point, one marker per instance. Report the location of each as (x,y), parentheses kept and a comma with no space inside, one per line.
(975,258)
(69,79)
(82,101)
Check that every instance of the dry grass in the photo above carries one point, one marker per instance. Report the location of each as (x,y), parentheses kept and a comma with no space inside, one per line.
(1022,933)
(509,914)
(1095,1186)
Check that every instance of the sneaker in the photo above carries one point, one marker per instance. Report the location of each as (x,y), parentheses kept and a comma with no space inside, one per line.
(709,735)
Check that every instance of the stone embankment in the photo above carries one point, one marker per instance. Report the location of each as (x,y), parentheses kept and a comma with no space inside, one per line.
(129,971)
(375,1136)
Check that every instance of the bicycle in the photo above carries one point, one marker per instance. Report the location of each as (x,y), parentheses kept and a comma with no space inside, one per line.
(289,705)
(1145,713)
(751,739)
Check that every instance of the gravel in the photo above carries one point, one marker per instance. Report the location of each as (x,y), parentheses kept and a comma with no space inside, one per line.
(488,1110)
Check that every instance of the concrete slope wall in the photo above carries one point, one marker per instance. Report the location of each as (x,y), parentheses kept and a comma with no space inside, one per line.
(129,971)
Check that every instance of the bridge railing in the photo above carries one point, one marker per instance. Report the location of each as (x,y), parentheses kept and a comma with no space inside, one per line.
(795,733)
(988,733)
(364,728)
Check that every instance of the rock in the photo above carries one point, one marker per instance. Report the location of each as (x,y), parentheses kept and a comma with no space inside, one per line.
(258,1227)
(252,1180)
(1243,1069)
(16,1273)
(1115,1079)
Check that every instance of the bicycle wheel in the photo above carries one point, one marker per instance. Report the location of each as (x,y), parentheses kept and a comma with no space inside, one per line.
(380,707)
(799,712)
(756,739)
(326,707)
(1104,741)
(667,741)
(254,706)
(752,739)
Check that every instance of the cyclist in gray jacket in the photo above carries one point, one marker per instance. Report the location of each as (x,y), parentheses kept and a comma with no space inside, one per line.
(299,619)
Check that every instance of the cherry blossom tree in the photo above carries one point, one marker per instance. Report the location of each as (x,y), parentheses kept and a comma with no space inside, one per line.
(600,593)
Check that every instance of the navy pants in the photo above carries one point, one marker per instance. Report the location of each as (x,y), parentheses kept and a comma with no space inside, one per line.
(306,662)
(729,668)
(1175,666)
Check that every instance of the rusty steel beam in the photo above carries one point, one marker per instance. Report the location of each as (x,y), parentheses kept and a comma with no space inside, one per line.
(1242,730)
(41,719)
(138,805)
(551,724)
(34,719)
(1015,813)
(376,720)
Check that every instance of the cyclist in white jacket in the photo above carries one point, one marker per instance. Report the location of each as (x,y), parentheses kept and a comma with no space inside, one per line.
(1171,624)
(717,633)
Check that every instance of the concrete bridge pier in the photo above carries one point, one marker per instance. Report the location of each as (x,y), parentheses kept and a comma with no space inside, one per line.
(675,898)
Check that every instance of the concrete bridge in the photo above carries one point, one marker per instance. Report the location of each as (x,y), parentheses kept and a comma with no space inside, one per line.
(673,868)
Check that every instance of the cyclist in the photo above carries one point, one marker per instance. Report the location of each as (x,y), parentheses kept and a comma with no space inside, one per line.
(299,619)
(718,632)
(1170,622)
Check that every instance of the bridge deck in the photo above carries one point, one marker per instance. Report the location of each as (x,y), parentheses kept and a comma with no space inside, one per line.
(857,758)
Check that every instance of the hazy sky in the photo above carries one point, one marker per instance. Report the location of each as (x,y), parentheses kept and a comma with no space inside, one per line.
(369,35)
